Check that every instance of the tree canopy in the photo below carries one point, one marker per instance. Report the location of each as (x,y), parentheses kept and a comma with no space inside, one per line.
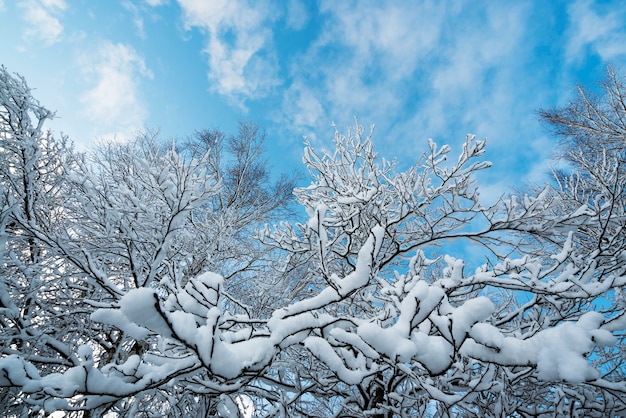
(146,279)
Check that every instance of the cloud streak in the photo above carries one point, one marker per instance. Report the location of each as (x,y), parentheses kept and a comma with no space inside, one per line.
(602,31)
(360,62)
(241,61)
(428,69)
(113,102)
(42,19)
(396,62)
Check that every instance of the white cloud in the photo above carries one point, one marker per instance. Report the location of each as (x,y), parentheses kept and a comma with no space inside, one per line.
(477,66)
(156,2)
(483,82)
(113,103)
(54,4)
(42,19)
(297,15)
(427,66)
(137,17)
(307,111)
(392,35)
(361,62)
(241,62)
(603,33)
(421,70)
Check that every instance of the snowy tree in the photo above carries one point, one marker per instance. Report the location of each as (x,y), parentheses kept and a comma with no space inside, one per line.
(538,288)
(592,131)
(371,315)
(31,167)
(594,122)
(249,198)
(81,230)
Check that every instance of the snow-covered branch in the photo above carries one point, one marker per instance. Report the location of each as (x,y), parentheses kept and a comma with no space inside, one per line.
(130,279)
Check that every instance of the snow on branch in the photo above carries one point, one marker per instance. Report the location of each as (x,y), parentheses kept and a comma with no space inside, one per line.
(399,294)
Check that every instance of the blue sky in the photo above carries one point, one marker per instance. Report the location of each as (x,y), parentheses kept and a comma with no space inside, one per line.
(416,69)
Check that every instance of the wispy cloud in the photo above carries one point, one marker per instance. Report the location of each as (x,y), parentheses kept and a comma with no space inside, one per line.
(483,82)
(112,103)
(42,19)
(241,62)
(136,11)
(297,14)
(307,110)
(472,80)
(598,28)
(427,69)
(360,62)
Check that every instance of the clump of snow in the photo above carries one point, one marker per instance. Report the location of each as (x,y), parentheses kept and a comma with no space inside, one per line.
(393,342)
(325,352)
(117,318)
(559,352)
(434,352)
(230,360)
(361,274)
(15,371)
(141,306)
